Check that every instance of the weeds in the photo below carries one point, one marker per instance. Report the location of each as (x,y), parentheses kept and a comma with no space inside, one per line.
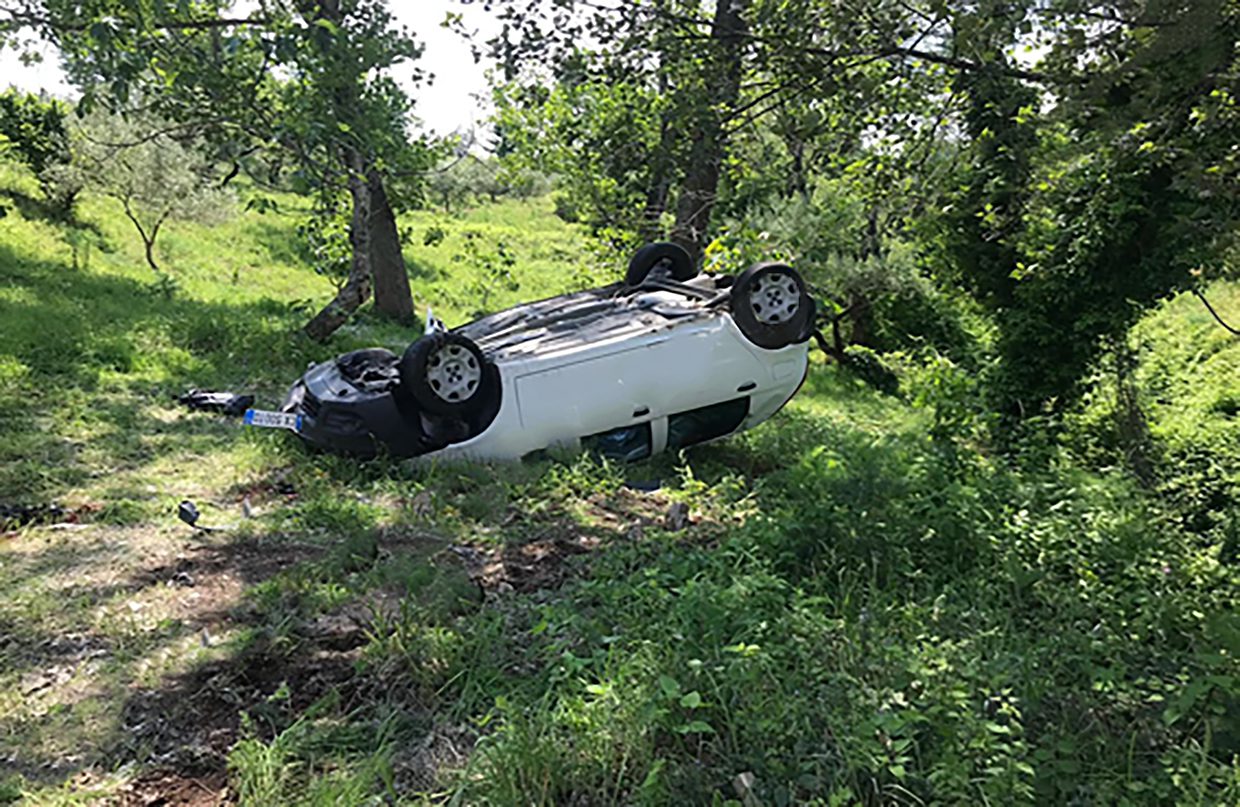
(866,606)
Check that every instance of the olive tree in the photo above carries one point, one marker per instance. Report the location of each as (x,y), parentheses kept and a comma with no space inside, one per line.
(154,176)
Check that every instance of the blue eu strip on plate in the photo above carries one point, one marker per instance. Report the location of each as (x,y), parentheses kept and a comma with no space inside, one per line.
(272,420)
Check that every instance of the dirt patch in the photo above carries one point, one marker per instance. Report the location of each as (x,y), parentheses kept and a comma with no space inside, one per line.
(191,722)
(171,789)
(212,579)
(543,557)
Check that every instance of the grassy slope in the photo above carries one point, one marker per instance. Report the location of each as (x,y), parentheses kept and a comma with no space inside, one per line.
(858,613)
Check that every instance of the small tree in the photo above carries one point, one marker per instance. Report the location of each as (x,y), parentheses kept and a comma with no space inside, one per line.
(155,176)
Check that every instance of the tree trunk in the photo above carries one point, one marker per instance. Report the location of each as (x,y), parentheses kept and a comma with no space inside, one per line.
(651,226)
(150,254)
(1130,424)
(148,239)
(345,94)
(798,185)
(859,308)
(701,182)
(387,264)
(656,203)
(861,316)
(357,288)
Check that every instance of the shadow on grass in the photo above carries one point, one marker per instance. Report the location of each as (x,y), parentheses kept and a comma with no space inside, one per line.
(82,354)
(210,582)
(33,207)
(329,621)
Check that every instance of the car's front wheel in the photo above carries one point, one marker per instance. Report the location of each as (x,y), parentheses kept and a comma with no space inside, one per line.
(446,374)
(770,306)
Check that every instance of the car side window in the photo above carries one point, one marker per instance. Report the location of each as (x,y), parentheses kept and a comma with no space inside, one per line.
(706,422)
(625,444)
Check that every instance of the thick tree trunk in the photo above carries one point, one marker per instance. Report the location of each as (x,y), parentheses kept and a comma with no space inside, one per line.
(345,94)
(701,182)
(356,289)
(387,264)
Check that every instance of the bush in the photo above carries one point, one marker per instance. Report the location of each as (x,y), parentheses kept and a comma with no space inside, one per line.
(870,368)
(566,207)
(35,128)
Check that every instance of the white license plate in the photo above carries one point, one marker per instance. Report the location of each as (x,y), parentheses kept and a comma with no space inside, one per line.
(272,420)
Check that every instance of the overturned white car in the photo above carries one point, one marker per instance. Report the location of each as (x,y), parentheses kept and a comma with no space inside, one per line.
(667,359)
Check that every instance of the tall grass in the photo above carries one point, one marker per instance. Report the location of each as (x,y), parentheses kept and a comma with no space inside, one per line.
(870,608)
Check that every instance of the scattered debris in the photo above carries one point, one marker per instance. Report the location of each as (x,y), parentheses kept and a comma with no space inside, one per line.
(33,682)
(19,515)
(227,403)
(677,517)
(469,554)
(187,511)
(421,505)
(166,788)
(182,580)
(743,785)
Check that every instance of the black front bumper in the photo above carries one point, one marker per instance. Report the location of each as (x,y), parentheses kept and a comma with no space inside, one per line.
(346,415)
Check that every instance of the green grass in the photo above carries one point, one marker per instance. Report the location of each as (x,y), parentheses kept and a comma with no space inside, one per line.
(868,607)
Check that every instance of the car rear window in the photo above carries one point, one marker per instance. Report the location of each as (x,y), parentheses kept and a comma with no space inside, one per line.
(625,444)
(706,422)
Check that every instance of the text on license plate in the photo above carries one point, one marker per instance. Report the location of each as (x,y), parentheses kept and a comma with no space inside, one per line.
(272,420)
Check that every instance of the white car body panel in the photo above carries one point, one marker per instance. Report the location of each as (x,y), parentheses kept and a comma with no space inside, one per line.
(556,398)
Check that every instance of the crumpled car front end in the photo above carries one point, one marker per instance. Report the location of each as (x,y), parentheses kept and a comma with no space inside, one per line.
(355,405)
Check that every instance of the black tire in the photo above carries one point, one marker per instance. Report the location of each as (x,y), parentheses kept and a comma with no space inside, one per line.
(438,387)
(770,306)
(671,257)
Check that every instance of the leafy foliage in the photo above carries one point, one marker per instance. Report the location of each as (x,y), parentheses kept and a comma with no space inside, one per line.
(35,128)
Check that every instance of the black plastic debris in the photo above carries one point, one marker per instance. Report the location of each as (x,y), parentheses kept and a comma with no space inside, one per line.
(187,512)
(228,403)
(182,580)
(19,515)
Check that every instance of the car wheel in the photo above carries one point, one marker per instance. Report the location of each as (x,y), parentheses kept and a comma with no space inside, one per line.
(770,306)
(664,256)
(446,374)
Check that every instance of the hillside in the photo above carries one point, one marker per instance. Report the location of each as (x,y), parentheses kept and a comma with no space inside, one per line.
(868,606)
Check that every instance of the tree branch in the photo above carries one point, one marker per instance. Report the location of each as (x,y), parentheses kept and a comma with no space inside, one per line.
(1217,318)
(19,17)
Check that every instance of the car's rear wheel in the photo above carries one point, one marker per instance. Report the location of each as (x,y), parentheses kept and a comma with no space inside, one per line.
(446,374)
(670,259)
(770,305)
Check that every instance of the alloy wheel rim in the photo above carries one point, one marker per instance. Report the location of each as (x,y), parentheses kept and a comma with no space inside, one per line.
(774,298)
(453,373)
